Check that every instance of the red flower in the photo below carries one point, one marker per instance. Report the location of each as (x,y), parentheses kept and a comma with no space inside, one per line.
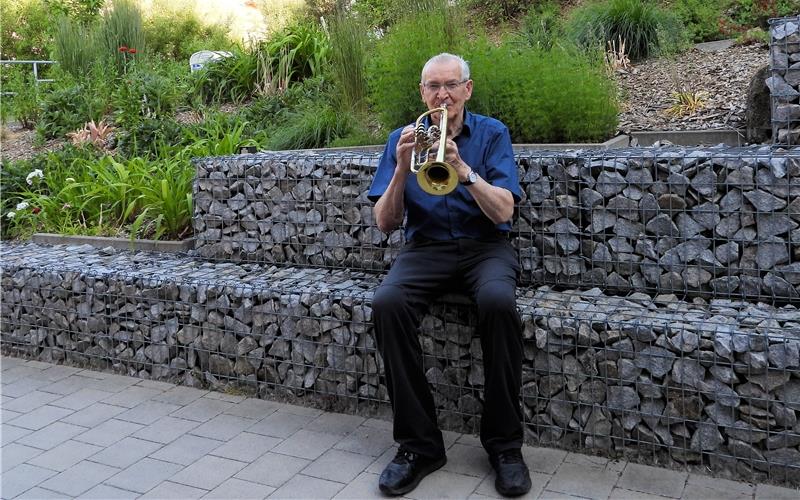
(36,210)
(123,48)
(131,50)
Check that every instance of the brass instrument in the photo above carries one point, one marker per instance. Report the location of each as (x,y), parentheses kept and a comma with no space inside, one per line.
(435,177)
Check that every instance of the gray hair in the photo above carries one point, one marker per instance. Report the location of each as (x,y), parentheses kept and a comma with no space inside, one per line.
(444,57)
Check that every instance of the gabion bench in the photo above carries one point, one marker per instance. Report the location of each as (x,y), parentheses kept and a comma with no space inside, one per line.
(659,298)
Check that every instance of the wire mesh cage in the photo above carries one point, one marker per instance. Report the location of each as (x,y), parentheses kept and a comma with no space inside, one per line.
(658,298)
(784,80)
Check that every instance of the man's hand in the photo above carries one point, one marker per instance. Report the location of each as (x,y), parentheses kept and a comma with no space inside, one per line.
(404,149)
(452,156)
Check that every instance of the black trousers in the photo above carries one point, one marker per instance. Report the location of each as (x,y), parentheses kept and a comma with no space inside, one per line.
(487,271)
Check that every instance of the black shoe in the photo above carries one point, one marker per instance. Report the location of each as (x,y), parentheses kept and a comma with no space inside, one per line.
(513,478)
(404,473)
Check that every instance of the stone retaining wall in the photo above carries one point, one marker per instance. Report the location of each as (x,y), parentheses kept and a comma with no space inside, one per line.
(784,82)
(714,383)
(709,222)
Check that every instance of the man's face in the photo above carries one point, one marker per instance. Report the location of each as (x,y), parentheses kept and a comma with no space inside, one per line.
(443,84)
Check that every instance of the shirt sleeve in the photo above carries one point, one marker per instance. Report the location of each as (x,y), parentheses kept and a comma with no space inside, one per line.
(385,169)
(501,168)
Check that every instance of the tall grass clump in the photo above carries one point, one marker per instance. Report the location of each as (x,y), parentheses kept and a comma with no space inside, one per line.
(75,47)
(348,41)
(122,27)
(315,126)
(394,71)
(306,45)
(541,27)
(543,96)
(645,28)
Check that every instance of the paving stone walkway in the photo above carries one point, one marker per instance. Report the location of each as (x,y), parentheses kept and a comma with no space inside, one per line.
(72,433)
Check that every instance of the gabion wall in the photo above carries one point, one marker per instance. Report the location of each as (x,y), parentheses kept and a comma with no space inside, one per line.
(706,222)
(784,82)
(659,300)
(713,383)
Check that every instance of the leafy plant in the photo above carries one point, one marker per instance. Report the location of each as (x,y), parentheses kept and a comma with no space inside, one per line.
(146,138)
(23,105)
(646,28)
(68,107)
(231,79)
(143,94)
(83,11)
(93,133)
(26,31)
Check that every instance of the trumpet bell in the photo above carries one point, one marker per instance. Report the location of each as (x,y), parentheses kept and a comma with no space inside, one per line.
(437,178)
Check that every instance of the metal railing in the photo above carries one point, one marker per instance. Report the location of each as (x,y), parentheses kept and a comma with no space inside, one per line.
(35,65)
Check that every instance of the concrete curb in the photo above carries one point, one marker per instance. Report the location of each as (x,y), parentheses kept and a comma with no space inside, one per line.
(729,137)
(181,246)
(710,137)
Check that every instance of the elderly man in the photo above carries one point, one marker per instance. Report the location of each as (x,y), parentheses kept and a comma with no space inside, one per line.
(456,242)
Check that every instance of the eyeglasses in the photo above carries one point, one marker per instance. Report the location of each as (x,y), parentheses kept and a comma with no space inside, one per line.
(436,87)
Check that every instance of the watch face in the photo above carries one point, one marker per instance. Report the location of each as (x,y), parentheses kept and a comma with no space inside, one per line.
(472,178)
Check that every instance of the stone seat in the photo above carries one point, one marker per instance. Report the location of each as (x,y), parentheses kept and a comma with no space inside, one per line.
(716,378)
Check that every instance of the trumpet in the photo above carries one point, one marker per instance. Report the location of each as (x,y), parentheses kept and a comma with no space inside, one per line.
(436,176)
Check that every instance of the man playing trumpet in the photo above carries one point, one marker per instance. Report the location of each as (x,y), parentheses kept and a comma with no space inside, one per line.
(455,242)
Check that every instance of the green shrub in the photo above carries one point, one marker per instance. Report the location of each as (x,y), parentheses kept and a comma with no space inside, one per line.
(23,106)
(148,136)
(376,13)
(69,107)
(394,70)
(543,96)
(82,11)
(178,34)
(498,11)
(26,30)
(645,28)
(75,47)
(700,17)
(121,28)
(756,13)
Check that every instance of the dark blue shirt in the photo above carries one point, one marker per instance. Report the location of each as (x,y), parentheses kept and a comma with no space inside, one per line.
(485,145)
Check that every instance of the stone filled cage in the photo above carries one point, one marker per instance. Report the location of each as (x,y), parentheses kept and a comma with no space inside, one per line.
(784,80)
(658,293)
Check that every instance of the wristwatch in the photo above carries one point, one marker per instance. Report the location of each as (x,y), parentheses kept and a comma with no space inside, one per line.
(472,178)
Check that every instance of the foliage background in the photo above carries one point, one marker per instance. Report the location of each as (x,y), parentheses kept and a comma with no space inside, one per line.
(302,74)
